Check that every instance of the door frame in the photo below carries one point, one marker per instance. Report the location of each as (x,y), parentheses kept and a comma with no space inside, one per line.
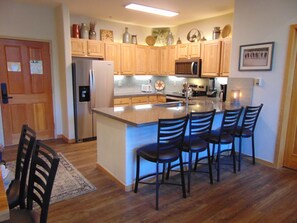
(286,97)
(52,81)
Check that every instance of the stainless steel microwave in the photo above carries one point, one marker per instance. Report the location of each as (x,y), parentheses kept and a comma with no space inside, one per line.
(188,67)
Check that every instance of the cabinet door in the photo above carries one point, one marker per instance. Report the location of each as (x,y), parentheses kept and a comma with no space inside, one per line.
(78,47)
(154,55)
(161,98)
(112,53)
(225,57)
(141,59)
(95,48)
(171,60)
(182,51)
(210,54)
(194,50)
(164,60)
(139,100)
(127,58)
(121,101)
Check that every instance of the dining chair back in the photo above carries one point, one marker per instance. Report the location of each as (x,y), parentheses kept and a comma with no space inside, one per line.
(17,190)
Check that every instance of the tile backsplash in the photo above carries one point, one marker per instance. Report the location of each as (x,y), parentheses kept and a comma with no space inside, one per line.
(127,84)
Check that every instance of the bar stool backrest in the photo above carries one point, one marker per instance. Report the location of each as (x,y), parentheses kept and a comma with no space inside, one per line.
(250,118)
(171,133)
(230,120)
(201,123)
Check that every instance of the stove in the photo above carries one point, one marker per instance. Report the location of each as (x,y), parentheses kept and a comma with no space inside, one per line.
(180,96)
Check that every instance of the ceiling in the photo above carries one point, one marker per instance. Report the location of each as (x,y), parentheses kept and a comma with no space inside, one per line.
(189,10)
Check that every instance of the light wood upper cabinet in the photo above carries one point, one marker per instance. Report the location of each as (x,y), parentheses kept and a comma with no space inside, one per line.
(216,56)
(113,53)
(167,60)
(87,48)
(78,47)
(164,60)
(95,48)
(211,54)
(171,60)
(153,60)
(188,50)
(225,57)
(182,51)
(141,59)
(127,58)
(194,50)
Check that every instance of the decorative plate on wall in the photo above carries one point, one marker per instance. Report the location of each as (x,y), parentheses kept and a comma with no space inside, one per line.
(226,31)
(150,40)
(159,85)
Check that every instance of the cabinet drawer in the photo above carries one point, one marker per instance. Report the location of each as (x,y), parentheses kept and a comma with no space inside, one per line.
(153,99)
(141,99)
(161,99)
(121,101)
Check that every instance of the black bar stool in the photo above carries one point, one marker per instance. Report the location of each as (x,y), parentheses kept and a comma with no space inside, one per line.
(247,128)
(224,136)
(199,128)
(167,149)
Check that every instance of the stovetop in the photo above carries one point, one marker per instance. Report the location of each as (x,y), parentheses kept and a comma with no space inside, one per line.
(182,95)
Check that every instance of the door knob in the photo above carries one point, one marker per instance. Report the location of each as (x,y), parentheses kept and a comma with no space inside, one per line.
(4,93)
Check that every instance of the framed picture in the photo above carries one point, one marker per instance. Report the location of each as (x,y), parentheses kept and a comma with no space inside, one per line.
(106,35)
(256,57)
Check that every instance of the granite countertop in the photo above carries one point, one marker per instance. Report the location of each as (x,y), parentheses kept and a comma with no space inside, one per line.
(147,114)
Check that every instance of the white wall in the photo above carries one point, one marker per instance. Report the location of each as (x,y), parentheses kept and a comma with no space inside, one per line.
(117,28)
(33,22)
(204,26)
(257,21)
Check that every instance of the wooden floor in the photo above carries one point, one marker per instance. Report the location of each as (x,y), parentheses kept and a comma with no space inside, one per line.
(256,194)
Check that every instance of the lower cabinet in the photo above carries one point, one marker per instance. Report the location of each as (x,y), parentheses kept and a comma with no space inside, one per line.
(137,100)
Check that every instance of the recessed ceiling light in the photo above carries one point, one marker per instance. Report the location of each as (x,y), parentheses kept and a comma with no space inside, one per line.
(152,10)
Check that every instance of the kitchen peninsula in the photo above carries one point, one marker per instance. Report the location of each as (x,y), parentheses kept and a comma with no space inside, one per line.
(120,130)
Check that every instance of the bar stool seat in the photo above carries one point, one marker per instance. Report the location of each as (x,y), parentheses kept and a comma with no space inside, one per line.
(149,152)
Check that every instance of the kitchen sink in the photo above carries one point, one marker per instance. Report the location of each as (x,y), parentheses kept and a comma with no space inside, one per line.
(173,104)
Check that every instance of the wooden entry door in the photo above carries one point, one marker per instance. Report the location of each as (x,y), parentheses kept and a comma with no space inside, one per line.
(290,158)
(26,70)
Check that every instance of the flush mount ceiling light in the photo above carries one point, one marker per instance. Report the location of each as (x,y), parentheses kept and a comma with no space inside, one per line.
(152,10)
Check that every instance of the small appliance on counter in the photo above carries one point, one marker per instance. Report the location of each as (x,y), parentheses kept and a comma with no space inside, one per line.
(198,90)
(223,92)
(146,88)
(212,91)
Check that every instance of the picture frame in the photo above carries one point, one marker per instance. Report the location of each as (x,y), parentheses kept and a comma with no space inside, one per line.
(256,57)
(106,35)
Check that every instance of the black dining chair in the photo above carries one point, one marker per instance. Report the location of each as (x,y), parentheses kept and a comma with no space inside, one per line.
(17,190)
(44,165)
(224,136)
(200,124)
(247,128)
(167,149)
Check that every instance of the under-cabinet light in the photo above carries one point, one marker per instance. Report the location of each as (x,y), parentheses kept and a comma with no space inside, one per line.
(152,10)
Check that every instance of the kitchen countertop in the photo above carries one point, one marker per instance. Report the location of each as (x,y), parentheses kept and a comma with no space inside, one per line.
(147,114)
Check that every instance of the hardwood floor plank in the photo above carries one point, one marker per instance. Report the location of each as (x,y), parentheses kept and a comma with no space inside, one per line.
(256,194)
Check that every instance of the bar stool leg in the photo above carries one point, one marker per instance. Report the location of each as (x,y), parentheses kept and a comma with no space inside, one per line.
(137,173)
(234,156)
(157,186)
(218,162)
(239,154)
(182,176)
(253,149)
(189,170)
(209,165)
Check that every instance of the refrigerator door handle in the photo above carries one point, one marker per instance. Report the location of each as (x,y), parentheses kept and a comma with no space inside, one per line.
(93,89)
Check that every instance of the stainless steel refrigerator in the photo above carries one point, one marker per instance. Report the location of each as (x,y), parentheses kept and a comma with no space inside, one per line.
(92,88)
